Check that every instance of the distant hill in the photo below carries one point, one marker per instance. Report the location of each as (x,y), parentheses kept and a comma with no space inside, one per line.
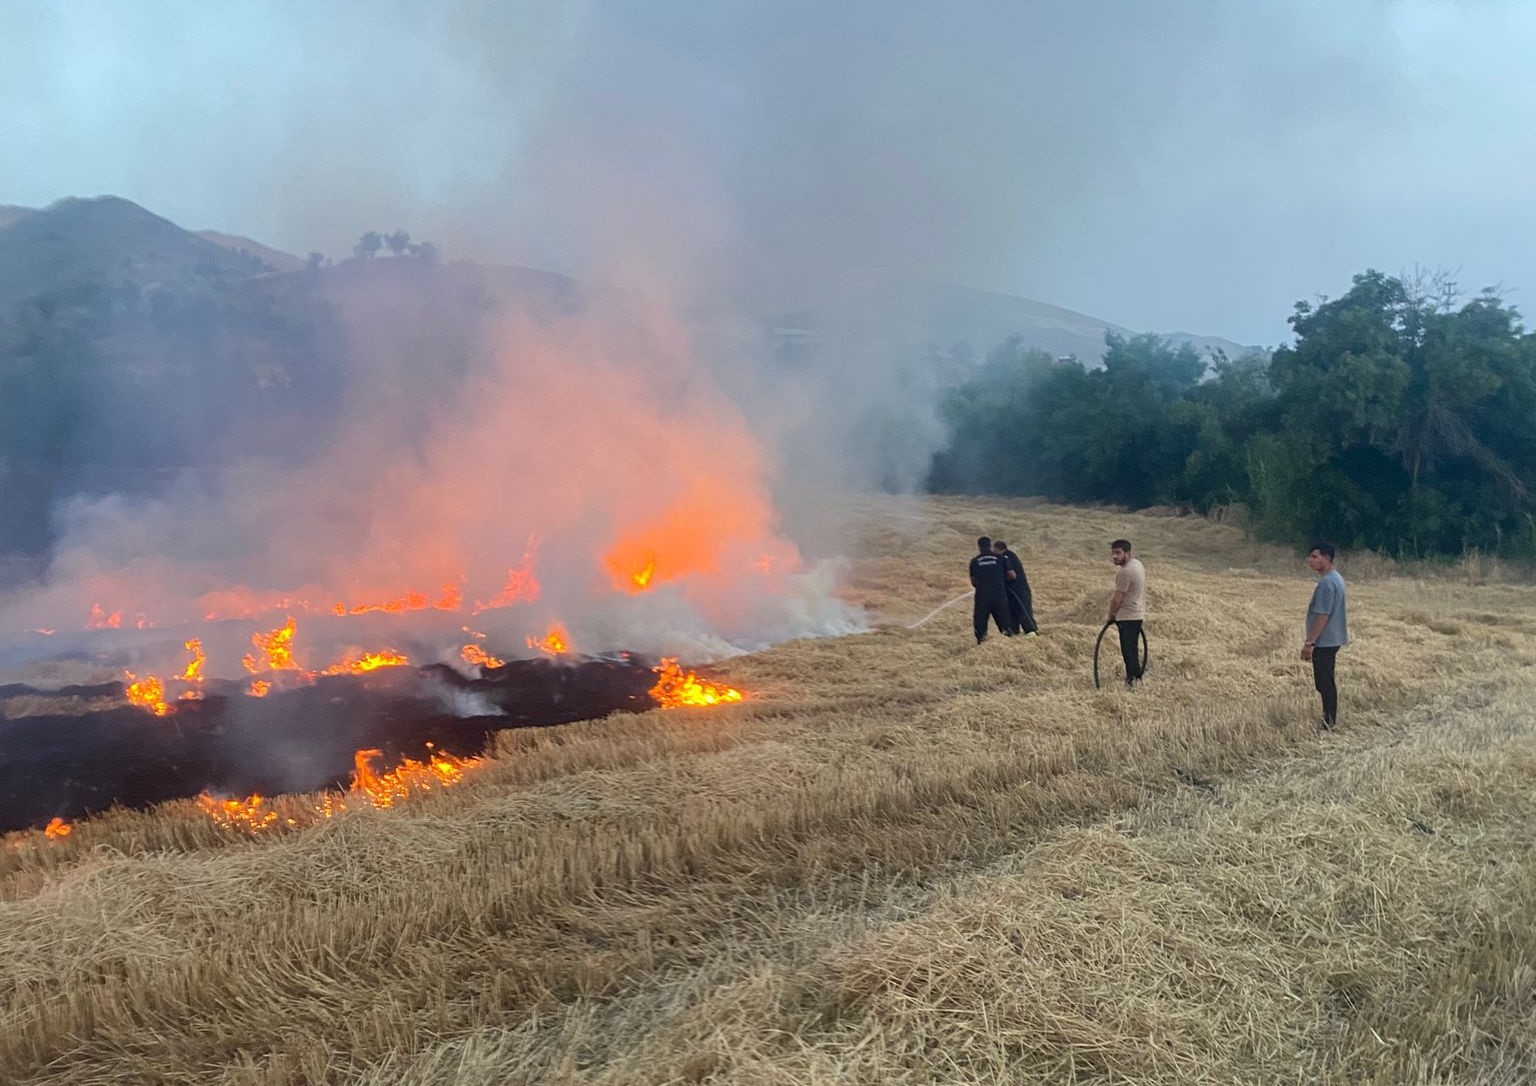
(275,259)
(944,314)
(9,213)
(110,240)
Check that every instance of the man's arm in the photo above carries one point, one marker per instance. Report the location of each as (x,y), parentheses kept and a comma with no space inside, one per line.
(1314,631)
(1114,603)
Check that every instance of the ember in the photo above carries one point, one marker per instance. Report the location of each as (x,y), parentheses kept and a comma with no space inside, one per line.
(675,688)
(250,813)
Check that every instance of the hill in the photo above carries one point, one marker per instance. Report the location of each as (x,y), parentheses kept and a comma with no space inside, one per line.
(111,241)
(944,314)
(275,259)
(904,858)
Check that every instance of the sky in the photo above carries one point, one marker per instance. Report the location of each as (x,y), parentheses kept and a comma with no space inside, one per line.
(1187,165)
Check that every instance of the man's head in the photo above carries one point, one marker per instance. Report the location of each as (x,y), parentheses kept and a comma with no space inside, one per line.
(984,544)
(1120,551)
(1320,556)
(999,547)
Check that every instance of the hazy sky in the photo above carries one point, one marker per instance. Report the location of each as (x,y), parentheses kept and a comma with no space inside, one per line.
(1187,165)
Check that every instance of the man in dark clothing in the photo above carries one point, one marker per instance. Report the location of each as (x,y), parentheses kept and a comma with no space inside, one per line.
(1021,603)
(991,585)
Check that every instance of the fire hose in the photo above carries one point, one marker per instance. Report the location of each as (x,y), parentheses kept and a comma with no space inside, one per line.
(1099,643)
(942,607)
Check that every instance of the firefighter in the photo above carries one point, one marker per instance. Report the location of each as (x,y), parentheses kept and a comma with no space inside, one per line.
(988,578)
(1021,602)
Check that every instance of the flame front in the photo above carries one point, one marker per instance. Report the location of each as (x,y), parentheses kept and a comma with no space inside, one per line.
(57,828)
(276,650)
(147,693)
(194,670)
(250,813)
(675,688)
(368,661)
(474,654)
(556,642)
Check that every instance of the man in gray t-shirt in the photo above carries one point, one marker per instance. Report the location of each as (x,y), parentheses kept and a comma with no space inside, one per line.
(1327,628)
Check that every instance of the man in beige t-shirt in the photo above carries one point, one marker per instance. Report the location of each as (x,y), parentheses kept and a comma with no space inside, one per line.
(1128,606)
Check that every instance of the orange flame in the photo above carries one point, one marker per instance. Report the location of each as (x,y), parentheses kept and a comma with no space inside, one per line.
(100,620)
(474,654)
(250,813)
(368,661)
(521,587)
(642,579)
(386,789)
(556,642)
(259,688)
(676,688)
(194,670)
(147,693)
(276,649)
(57,828)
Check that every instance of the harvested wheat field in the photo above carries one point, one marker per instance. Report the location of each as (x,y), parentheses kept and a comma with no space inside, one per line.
(904,858)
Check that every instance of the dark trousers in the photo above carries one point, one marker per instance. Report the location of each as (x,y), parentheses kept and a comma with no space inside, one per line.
(1021,612)
(990,605)
(1130,648)
(1323,661)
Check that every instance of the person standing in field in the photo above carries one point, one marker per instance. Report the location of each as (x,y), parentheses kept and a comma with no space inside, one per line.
(1327,628)
(1128,606)
(988,578)
(1021,603)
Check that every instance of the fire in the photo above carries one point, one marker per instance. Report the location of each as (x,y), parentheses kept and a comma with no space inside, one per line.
(368,661)
(57,828)
(100,620)
(674,688)
(250,813)
(556,642)
(642,579)
(194,670)
(521,587)
(385,789)
(148,693)
(259,688)
(276,649)
(474,654)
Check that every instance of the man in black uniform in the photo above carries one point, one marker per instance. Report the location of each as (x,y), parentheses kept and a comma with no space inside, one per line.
(988,578)
(1021,602)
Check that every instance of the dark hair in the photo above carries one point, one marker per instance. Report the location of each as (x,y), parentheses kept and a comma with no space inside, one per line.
(1121,545)
(984,544)
(1327,550)
(999,545)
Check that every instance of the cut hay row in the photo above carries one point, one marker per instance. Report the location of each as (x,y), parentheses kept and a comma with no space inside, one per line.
(856,875)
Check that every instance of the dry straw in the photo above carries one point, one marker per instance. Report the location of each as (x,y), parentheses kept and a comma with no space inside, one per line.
(906,859)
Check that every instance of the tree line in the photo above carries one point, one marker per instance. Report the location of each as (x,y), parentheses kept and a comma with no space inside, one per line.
(1402,418)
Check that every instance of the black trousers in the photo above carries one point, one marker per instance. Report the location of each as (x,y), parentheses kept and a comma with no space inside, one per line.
(1323,661)
(1130,647)
(993,605)
(1021,612)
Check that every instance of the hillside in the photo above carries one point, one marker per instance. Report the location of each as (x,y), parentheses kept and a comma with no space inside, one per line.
(275,259)
(903,859)
(111,241)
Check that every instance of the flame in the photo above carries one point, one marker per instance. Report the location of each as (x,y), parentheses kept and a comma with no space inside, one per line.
(57,828)
(194,670)
(259,688)
(100,620)
(368,661)
(556,642)
(474,654)
(276,649)
(386,789)
(521,587)
(250,813)
(148,693)
(642,579)
(675,688)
